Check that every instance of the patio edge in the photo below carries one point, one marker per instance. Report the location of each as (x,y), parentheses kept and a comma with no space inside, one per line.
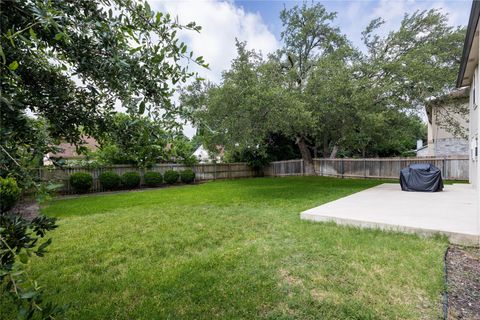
(453,237)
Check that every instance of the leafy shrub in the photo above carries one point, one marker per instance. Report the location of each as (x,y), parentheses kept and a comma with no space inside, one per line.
(152,178)
(110,180)
(22,239)
(131,180)
(9,193)
(171,176)
(187,176)
(81,182)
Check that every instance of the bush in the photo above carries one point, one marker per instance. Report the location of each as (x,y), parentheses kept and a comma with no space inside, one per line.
(171,176)
(110,180)
(152,178)
(81,182)
(131,180)
(187,176)
(9,193)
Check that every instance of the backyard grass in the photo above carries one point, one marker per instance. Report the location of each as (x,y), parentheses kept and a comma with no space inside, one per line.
(234,249)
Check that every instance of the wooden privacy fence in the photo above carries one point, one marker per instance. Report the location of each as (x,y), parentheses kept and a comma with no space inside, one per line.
(452,168)
(202,172)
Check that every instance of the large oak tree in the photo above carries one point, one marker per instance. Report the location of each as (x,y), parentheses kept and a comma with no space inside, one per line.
(327,95)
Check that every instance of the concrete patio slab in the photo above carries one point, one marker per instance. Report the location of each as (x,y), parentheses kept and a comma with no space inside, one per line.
(452,212)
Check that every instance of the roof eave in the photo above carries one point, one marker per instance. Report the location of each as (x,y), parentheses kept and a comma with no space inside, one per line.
(472,26)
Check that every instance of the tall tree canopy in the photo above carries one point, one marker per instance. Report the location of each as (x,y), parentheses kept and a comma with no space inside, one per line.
(409,66)
(328,96)
(71,62)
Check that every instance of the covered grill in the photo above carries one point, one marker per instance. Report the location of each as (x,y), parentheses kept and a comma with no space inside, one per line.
(421,177)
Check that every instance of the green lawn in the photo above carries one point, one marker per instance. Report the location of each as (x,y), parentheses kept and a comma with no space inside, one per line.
(234,249)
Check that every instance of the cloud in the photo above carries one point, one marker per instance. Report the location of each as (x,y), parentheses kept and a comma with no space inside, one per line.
(358,14)
(221,23)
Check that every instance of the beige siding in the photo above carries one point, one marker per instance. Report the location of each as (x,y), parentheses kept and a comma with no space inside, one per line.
(442,141)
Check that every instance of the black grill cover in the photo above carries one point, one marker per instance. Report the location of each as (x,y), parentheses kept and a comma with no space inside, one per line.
(421,177)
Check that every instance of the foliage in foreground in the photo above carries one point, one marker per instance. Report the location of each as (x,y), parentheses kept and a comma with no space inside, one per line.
(43,43)
(19,241)
(119,50)
(9,193)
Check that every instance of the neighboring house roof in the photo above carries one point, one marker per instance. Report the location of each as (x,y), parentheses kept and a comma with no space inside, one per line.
(68,150)
(471,30)
(202,154)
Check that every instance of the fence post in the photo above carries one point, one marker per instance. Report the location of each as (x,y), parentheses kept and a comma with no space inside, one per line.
(342,167)
(302,169)
(380,168)
(444,168)
(364,168)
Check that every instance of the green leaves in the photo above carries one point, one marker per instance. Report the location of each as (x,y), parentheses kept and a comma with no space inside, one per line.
(120,53)
(18,238)
(2,55)
(32,33)
(13,65)
(323,90)
(23,257)
(141,107)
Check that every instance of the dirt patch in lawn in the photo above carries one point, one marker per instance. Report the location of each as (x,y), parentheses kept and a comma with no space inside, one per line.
(26,208)
(463,281)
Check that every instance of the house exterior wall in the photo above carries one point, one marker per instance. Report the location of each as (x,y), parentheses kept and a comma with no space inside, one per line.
(423,152)
(431,146)
(448,147)
(473,130)
(442,142)
(468,76)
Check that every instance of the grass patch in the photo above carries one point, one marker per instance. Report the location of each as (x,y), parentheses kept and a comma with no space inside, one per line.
(234,249)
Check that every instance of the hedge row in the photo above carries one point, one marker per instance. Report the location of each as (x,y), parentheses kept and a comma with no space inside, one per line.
(82,182)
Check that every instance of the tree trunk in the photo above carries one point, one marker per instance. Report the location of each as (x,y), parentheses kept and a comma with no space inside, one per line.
(325,147)
(333,155)
(306,156)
